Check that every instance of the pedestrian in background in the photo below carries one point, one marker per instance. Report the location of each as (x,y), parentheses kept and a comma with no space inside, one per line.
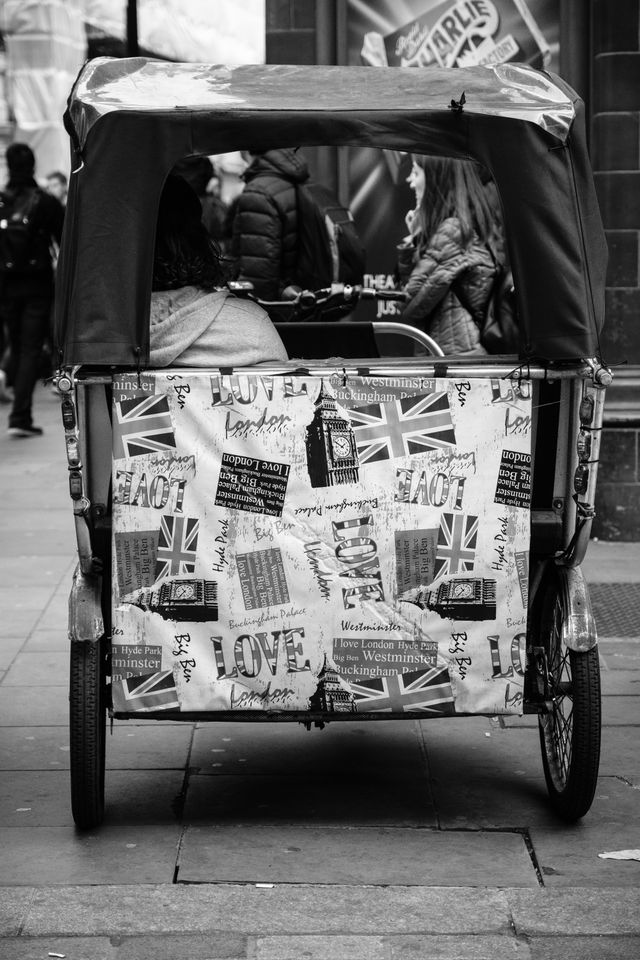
(446,260)
(265,223)
(58,186)
(26,280)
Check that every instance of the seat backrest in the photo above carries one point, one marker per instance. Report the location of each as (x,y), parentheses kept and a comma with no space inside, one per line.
(319,340)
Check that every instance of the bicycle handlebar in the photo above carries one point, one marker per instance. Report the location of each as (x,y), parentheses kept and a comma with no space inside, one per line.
(317,300)
(305,305)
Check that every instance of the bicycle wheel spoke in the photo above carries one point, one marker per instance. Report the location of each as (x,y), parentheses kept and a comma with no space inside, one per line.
(564,740)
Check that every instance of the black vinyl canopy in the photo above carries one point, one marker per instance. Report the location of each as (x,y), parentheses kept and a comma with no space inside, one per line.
(131,120)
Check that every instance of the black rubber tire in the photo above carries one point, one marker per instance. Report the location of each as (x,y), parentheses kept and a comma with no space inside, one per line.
(570,732)
(87,731)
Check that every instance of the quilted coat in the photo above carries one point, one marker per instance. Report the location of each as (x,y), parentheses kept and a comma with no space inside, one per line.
(266,220)
(428,276)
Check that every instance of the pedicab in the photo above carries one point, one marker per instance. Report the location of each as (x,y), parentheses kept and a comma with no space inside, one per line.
(346,535)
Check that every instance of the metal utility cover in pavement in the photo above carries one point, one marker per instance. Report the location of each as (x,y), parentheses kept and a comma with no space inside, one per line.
(616,608)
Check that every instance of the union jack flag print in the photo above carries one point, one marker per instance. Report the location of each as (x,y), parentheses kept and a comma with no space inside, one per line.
(177,543)
(397,428)
(142,425)
(457,541)
(428,691)
(153,691)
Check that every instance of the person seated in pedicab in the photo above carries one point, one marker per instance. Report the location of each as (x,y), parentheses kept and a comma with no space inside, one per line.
(446,261)
(195,322)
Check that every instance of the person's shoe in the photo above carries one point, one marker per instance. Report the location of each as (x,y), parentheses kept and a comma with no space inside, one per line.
(25,431)
(6,394)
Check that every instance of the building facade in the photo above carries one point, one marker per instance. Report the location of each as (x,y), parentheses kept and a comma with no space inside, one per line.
(599,55)
(613,99)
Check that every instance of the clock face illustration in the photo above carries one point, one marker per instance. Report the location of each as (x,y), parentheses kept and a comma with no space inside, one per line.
(340,446)
(462,591)
(183,591)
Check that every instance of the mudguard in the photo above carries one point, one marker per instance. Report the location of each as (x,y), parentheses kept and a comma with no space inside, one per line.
(579,631)
(86,624)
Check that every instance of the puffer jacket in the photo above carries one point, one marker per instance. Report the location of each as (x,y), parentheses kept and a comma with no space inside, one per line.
(265,225)
(433,305)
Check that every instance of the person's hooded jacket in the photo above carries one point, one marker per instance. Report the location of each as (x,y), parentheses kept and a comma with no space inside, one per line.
(265,225)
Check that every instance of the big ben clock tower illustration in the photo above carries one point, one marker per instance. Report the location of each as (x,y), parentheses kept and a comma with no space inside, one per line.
(332,456)
(460,599)
(195,600)
(331,694)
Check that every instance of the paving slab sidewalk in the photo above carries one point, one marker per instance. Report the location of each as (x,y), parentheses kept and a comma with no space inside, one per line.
(163,878)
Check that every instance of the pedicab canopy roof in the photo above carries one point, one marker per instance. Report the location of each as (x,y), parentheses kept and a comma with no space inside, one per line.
(131,120)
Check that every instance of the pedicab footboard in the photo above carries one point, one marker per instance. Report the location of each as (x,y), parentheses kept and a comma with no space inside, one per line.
(329,546)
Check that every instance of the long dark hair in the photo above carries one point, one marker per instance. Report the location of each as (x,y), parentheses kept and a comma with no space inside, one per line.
(185,254)
(453,188)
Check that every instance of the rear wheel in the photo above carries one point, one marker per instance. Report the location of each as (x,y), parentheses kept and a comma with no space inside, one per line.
(570,727)
(87,729)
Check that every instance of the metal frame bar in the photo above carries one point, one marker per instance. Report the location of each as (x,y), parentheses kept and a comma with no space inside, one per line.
(476,368)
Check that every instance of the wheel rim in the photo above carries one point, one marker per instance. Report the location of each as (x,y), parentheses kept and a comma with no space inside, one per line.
(557,724)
